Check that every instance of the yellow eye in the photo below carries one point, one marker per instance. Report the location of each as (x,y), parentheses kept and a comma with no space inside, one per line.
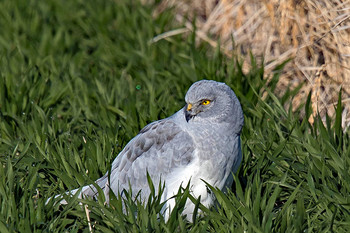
(205,102)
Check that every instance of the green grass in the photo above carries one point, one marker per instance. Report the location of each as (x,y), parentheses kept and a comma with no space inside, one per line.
(79,79)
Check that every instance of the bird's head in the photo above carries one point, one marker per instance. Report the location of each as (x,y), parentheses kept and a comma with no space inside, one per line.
(213,102)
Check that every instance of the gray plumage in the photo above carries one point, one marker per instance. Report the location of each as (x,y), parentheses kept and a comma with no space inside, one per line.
(200,141)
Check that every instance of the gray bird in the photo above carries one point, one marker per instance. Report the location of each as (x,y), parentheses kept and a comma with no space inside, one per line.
(199,142)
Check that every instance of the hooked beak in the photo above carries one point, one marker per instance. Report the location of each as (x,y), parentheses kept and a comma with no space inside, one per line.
(188,111)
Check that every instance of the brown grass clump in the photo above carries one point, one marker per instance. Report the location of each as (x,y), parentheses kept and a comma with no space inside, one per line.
(314,33)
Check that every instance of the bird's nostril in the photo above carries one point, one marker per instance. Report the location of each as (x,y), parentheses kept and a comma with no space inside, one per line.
(189,107)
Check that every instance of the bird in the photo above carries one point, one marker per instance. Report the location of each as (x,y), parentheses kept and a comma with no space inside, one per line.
(198,145)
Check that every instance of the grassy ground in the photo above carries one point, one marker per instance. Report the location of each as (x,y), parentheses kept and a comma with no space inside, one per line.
(79,79)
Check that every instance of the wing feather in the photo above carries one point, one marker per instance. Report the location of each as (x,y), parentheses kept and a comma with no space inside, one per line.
(158,149)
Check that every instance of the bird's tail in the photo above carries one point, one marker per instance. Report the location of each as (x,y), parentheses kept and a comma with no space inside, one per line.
(86,191)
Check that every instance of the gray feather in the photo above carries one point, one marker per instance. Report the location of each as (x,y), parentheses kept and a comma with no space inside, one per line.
(147,153)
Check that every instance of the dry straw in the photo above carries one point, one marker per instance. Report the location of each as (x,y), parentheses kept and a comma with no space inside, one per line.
(315,34)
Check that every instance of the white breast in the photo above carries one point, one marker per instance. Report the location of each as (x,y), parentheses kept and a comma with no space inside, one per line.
(194,173)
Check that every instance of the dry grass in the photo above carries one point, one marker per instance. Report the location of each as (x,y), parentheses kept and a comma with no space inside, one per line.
(315,33)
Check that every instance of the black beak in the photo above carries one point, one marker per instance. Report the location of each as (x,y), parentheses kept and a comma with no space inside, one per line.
(188,115)
(188,112)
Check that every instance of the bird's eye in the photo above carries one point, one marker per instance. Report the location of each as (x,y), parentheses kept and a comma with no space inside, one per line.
(205,102)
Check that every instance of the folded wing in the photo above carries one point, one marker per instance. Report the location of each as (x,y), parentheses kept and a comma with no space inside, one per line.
(159,148)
